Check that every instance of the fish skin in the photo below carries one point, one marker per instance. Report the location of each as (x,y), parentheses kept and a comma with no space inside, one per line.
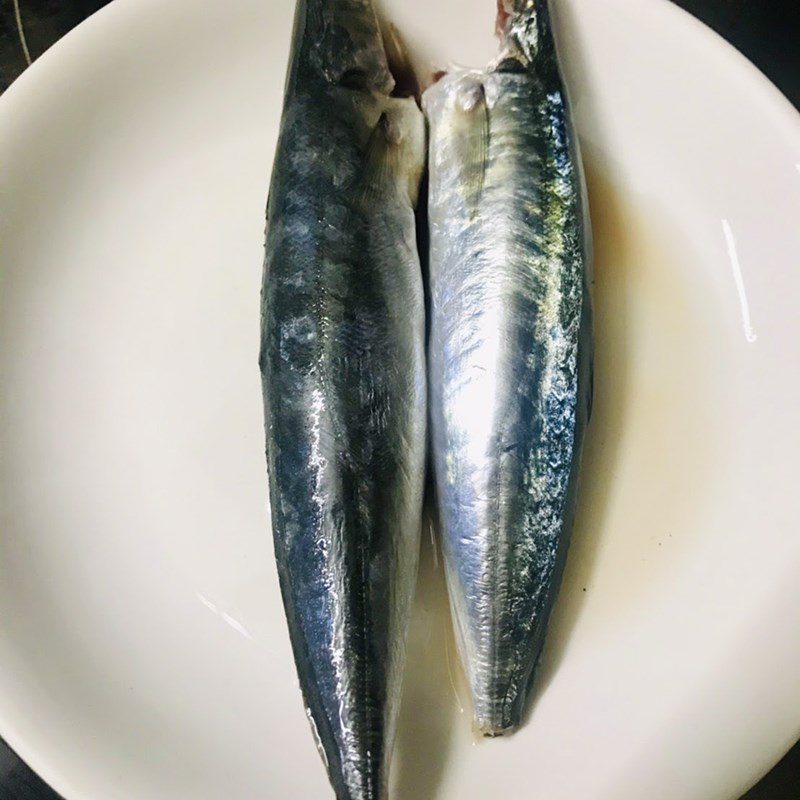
(510,351)
(343,373)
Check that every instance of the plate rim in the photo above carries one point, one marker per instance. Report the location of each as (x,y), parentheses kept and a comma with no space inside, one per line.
(58,59)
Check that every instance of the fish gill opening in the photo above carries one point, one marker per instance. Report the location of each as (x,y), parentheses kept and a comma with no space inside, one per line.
(398,62)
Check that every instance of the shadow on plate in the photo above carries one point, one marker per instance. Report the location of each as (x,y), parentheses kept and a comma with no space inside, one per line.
(431,707)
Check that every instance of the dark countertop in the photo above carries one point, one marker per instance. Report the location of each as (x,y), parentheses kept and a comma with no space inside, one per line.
(766,31)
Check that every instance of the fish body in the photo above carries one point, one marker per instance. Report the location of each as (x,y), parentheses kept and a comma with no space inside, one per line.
(342,361)
(510,350)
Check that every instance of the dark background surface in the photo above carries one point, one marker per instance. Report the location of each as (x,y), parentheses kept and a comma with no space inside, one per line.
(766,31)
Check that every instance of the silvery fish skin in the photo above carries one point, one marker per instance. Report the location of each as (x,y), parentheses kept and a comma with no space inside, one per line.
(342,362)
(510,351)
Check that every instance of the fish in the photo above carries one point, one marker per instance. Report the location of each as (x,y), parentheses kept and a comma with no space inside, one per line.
(342,361)
(510,350)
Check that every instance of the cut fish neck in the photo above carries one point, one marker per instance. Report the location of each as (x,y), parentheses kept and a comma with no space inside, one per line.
(345,43)
(525,32)
(339,42)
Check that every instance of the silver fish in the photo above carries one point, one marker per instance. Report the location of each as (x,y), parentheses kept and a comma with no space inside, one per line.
(510,350)
(343,370)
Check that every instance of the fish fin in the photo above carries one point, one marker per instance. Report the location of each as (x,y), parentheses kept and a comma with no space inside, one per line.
(379,157)
(471,142)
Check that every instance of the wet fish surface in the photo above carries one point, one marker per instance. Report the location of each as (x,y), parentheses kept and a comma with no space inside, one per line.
(510,350)
(342,361)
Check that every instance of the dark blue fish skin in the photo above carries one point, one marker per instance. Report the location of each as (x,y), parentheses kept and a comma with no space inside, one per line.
(510,351)
(343,370)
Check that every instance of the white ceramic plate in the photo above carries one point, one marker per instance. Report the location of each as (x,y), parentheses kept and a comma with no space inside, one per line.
(143,651)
